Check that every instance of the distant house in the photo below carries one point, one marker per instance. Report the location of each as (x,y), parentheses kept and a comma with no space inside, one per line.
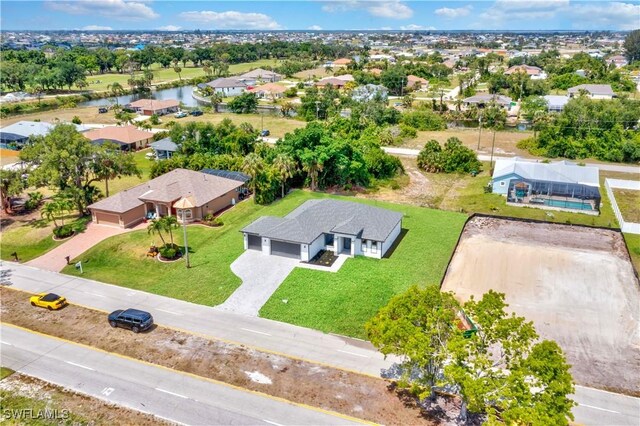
(129,138)
(269,90)
(252,77)
(18,134)
(556,103)
(345,77)
(227,86)
(382,57)
(534,73)
(375,71)
(369,92)
(558,186)
(484,99)
(333,81)
(155,106)
(209,194)
(164,148)
(417,83)
(341,63)
(618,60)
(333,225)
(594,91)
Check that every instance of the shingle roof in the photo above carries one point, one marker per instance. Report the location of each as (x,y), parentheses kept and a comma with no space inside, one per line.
(560,171)
(315,217)
(28,128)
(529,69)
(168,188)
(487,98)
(225,83)
(260,73)
(126,134)
(239,176)
(165,144)
(594,89)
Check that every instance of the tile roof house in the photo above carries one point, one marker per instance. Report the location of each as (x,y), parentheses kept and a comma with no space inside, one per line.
(559,185)
(342,62)
(329,224)
(155,106)
(128,137)
(268,90)
(594,91)
(208,192)
(417,83)
(535,73)
(335,82)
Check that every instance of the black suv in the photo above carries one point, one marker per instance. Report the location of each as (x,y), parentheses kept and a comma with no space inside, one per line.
(132,319)
(103,110)
(196,113)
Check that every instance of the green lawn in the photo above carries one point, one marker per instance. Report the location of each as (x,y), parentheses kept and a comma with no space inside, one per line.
(342,302)
(633,244)
(5,372)
(629,204)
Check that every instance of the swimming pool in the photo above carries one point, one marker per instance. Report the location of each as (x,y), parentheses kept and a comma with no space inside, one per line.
(568,204)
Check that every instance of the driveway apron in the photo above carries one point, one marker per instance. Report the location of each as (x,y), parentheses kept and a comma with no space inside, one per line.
(261,276)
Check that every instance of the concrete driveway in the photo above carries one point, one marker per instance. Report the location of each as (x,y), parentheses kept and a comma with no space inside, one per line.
(54,260)
(261,275)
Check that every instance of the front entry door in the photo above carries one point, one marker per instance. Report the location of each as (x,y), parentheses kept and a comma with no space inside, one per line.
(346,243)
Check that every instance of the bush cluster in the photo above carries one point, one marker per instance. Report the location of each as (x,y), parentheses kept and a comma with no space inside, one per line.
(454,157)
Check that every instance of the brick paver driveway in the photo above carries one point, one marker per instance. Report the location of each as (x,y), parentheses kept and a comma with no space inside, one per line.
(54,260)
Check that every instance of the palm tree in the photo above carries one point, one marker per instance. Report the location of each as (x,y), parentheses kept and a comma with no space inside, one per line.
(169,223)
(285,167)
(116,90)
(178,70)
(216,99)
(253,165)
(156,226)
(312,163)
(49,211)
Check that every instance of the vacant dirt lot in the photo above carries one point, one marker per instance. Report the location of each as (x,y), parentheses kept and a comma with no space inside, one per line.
(20,392)
(359,396)
(576,284)
(505,140)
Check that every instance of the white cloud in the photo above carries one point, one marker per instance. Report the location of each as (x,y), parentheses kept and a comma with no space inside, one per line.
(315,28)
(615,15)
(393,9)
(450,13)
(513,13)
(414,27)
(232,20)
(96,28)
(169,28)
(116,9)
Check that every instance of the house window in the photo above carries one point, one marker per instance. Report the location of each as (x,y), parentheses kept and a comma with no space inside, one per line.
(328,239)
(502,183)
(374,247)
(364,246)
(187,214)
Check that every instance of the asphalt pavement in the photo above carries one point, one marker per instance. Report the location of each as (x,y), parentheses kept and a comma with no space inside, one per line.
(596,407)
(165,393)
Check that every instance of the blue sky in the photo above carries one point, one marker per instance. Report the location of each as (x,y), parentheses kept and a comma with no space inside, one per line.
(320,14)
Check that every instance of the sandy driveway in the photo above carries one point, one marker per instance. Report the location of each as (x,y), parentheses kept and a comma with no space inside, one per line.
(55,261)
(261,275)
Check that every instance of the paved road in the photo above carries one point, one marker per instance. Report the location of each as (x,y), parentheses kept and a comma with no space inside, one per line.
(598,407)
(273,336)
(410,152)
(168,394)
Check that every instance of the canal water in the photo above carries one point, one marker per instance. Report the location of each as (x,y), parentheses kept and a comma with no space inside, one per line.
(182,94)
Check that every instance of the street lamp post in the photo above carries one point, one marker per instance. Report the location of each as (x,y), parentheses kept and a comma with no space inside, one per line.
(184,204)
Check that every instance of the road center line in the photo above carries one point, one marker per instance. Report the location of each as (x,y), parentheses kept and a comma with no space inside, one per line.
(254,331)
(81,366)
(353,353)
(272,423)
(172,393)
(169,312)
(598,408)
(5,343)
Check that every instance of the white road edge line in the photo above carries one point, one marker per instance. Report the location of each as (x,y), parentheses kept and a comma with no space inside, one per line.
(598,408)
(353,353)
(272,423)
(6,343)
(254,331)
(95,294)
(609,392)
(169,312)
(79,365)
(172,393)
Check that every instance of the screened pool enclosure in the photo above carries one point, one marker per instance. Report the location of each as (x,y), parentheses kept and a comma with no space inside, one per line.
(563,195)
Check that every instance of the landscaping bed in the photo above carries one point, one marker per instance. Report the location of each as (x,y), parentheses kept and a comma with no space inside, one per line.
(22,392)
(323,258)
(331,389)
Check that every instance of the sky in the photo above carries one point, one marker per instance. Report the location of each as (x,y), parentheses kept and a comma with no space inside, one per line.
(319,15)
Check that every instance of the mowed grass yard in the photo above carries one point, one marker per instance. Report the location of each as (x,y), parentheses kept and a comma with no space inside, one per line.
(342,302)
(30,236)
(339,302)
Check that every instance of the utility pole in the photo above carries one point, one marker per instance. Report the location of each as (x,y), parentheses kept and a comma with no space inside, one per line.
(184,229)
(479,129)
(493,143)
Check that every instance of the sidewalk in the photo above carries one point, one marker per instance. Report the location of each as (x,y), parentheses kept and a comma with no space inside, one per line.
(55,261)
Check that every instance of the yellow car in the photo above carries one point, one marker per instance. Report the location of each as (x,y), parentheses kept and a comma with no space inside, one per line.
(50,301)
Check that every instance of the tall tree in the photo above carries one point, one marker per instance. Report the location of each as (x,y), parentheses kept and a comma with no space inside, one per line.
(253,165)
(156,227)
(11,183)
(632,46)
(111,163)
(285,167)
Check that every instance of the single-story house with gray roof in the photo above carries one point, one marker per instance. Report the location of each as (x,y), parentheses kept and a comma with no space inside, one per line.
(594,91)
(164,148)
(342,227)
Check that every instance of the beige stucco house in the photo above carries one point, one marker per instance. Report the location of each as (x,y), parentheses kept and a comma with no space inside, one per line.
(209,191)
